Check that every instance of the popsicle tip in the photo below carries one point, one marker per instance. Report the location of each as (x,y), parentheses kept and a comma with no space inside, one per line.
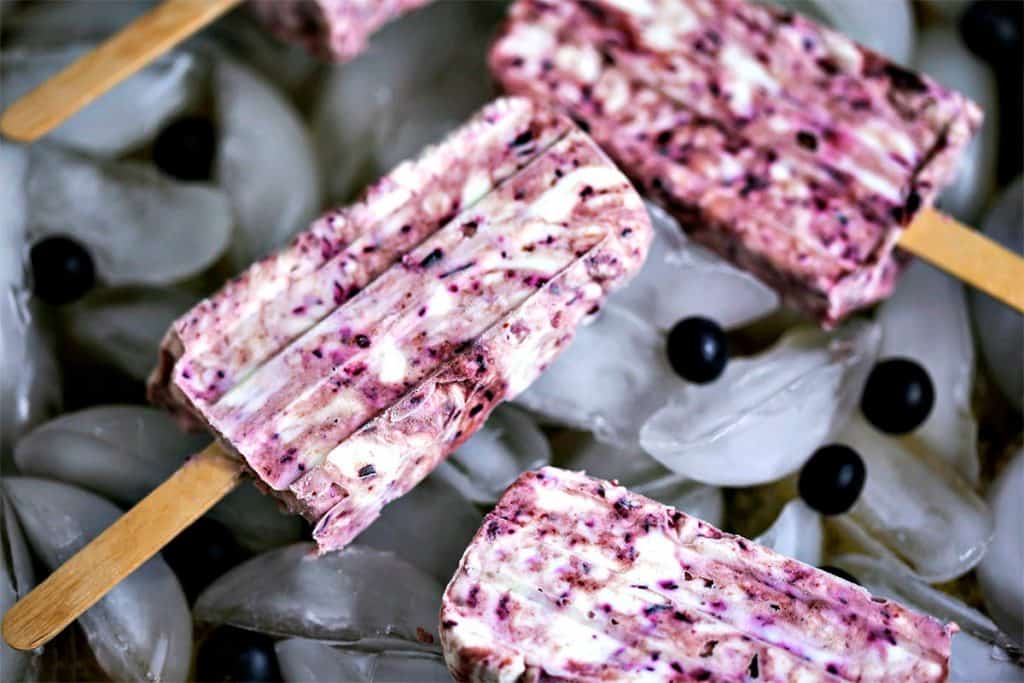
(16,126)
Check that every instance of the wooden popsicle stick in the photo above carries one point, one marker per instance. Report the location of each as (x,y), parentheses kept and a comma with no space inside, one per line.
(151,35)
(967,255)
(135,537)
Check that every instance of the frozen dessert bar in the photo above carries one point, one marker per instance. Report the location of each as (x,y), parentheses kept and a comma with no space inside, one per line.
(334,30)
(787,148)
(342,369)
(574,578)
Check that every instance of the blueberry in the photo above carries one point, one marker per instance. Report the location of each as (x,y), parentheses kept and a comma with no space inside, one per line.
(200,554)
(185,148)
(832,479)
(697,349)
(841,573)
(231,654)
(898,396)
(992,30)
(62,270)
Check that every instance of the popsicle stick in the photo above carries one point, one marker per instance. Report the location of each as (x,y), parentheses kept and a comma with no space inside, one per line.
(135,46)
(139,534)
(967,255)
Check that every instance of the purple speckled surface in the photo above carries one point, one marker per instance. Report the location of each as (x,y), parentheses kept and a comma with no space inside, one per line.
(333,30)
(782,145)
(345,367)
(575,578)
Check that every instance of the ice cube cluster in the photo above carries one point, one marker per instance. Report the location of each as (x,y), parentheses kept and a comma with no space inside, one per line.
(220,151)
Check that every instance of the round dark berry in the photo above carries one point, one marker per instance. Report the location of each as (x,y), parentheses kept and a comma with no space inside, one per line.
(841,573)
(898,396)
(200,554)
(832,479)
(992,30)
(697,349)
(62,270)
(185,148)
(231,654)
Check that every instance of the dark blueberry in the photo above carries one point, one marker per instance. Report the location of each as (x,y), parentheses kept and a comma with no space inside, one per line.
(62,270)
(832,479)
(697,349)
(841,573)
(231,654)
(992,30)
(185,148)
(200,554)
(898,396)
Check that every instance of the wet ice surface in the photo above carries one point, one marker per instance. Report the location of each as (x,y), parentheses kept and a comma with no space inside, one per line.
(1000,329)
(119,121)
(591,387)
(429,527)
(507,445)
(264,162)
(141,630)
(124,452)
(681,279)
(797,532)
(356,595)
(16,579)
(42,24)
(942,55)
(311,662)
(1000,570)
(883,25)
(975,657)
(927,320)
(124,326)
(29,376)
(139,226)
(766,414)
(420,77)
(917,506)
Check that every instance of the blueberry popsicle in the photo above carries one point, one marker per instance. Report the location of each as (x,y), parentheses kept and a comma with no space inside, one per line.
(342,369)
(575,578)
(334,30)
(782,145)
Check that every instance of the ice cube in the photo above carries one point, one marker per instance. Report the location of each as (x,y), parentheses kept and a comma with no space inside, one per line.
(693,498)
(429,527)
(122,119)
(974,658)
(307,661)
(681,279)
(141,630)
(1000,570)
(942,55)
(16,580)
(915,504)
(139,226)
(264,162)
(797,532)
(926,320)
(766,414)
(29,375)
(124,452)
(356,595)
(1000,329)
(420,76)
(124,326)
(631,466)
(507,445)
(612,377)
